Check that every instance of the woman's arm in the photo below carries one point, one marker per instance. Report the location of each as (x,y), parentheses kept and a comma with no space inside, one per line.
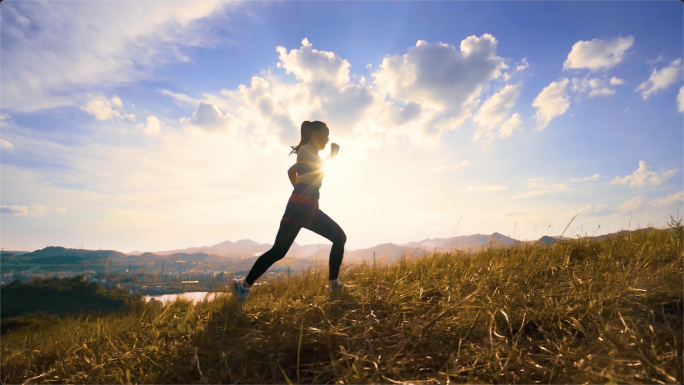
(292,174)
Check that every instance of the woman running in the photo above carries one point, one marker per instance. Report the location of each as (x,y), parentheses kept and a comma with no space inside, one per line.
(302,210)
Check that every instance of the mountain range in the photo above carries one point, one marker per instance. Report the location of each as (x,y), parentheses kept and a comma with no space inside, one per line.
(247,247)
(241,255)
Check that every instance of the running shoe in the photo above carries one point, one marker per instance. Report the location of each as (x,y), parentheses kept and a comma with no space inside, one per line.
(240,291)
(336,287)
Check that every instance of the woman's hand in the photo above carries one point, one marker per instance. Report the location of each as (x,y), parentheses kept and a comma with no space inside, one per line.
(334,149)
(292,174)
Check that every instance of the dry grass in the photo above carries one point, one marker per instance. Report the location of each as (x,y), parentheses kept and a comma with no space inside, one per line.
(576,312)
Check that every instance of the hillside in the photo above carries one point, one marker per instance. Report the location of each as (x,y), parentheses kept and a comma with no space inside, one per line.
(579,311)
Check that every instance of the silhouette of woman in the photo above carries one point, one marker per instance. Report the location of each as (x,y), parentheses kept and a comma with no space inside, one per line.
(302,210)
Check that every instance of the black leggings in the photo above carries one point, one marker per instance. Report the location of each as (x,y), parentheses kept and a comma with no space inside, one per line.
(320,224)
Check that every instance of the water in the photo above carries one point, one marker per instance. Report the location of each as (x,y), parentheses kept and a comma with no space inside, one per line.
(194,296)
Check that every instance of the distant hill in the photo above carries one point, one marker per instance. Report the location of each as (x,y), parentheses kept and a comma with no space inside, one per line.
(6,252)
(60,255)
(462,242)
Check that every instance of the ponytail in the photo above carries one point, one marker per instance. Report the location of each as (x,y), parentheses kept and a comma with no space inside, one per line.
(306,130)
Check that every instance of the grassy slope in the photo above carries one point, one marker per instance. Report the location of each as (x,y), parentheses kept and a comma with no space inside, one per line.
(575,312)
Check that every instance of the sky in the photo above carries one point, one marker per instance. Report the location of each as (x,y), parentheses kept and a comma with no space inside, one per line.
(155,126)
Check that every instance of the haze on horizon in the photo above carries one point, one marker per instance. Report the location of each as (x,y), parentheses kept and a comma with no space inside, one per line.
(162,126)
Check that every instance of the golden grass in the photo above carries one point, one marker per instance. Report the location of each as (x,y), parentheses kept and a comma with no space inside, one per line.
(575,312)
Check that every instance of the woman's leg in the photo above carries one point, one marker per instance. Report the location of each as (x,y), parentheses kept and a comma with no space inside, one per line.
(326,227)
(286,235)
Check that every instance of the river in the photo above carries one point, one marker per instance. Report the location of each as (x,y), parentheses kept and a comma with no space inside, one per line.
(194,296)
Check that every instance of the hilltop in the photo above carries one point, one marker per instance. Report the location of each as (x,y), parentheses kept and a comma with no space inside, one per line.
(575,311)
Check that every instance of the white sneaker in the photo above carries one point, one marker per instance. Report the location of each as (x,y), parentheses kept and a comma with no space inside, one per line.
(336,287)
(240,291)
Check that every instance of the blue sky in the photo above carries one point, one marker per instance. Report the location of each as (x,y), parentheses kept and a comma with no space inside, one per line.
(164,125)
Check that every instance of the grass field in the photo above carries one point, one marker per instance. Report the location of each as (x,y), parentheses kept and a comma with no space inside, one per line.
(575,312)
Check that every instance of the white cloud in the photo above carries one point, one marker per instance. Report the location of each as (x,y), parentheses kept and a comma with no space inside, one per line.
(510,125)
(50,47)
(616,81)
(642,177)
(103,108)
(4,117)
(209,118)
(180,97)
(592,178)
(311,65)
(661,79)
(601,92)
(598,54)
(6,145)
(656,60)
(551,102)
(595,86)
(523,65)
(494,111)
(486,188)
(422,103)
(439,76)
(585,83)
(631,204)
(449,167)
(535,183)
(32,211)
(528,194)
(590,208)
(152,126)
(674,198)
(61,209)
(680,100)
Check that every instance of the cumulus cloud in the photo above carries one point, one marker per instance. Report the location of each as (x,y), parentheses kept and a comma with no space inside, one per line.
(642,177)
(6,145)
(310,65)
(631,204)
(661,79)
(486,188)
(152,126)
(616,81)
(677,197)
(495,110)
(592,178)
(49,47)
(551,102)
(103,108)
(419,95)
(680,100)
(598,54)
(440,76)
(207,117)
(32,211)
